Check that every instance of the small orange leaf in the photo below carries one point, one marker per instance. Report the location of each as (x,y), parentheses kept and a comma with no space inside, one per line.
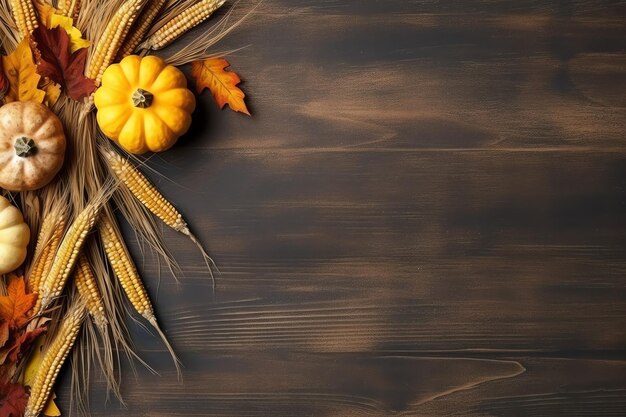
(15,306)
(21,72)
(211,74)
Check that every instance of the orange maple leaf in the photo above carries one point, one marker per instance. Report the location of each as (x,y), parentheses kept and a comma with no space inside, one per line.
(15,306)
(211,74)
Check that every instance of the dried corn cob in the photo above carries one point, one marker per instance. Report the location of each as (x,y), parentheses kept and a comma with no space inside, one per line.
(45,232)
(126,273)
(154,201)
(146,193)
(112,38)
(140,28)
(47,244)
(67,254)
(124,268)
(25,16)
(89,291)
(53,359)
(69,8)
(180,24)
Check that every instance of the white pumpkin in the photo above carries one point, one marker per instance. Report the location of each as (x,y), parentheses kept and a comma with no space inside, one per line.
(14,237)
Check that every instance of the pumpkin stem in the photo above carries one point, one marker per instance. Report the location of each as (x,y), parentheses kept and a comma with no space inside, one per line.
(24,147)
(142,98)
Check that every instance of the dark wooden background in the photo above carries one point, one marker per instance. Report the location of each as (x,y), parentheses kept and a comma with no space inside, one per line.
(426,216)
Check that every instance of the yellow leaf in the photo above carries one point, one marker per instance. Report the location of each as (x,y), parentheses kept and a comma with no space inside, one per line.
(21,72)
(210,74)
(51,409)
(34,361)
(53,91)
(76,37)
(32,366)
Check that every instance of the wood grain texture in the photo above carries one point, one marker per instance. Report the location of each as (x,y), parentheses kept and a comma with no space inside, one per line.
(425,217)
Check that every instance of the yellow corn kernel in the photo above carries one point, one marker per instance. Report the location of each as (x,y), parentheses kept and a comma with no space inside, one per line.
(48,242)
(53,360)
(67,254)
(140,28)
(69,8)
(187,19)
(88,289)
(124,268)
(112,38)
(25,17)
(146,193)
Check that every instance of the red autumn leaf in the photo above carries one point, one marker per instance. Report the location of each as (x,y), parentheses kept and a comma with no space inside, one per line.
(22,344)
(13,399)
(15,306)
(56,61)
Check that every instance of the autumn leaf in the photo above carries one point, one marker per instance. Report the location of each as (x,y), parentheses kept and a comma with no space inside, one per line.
(76,37)
(56,61)
(51,409)
(15,306)
(13,399)
(211,74)
(21,73)
(34,362)
(21,345)
(52,90)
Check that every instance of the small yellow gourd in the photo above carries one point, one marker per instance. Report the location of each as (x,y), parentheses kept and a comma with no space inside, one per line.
(144,104)
(14,237)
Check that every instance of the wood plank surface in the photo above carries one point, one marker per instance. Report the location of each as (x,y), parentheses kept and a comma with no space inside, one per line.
(426,216)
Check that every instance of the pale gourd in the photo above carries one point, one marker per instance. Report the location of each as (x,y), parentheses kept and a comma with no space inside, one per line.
(14,237)
(32,146)
(144,104)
